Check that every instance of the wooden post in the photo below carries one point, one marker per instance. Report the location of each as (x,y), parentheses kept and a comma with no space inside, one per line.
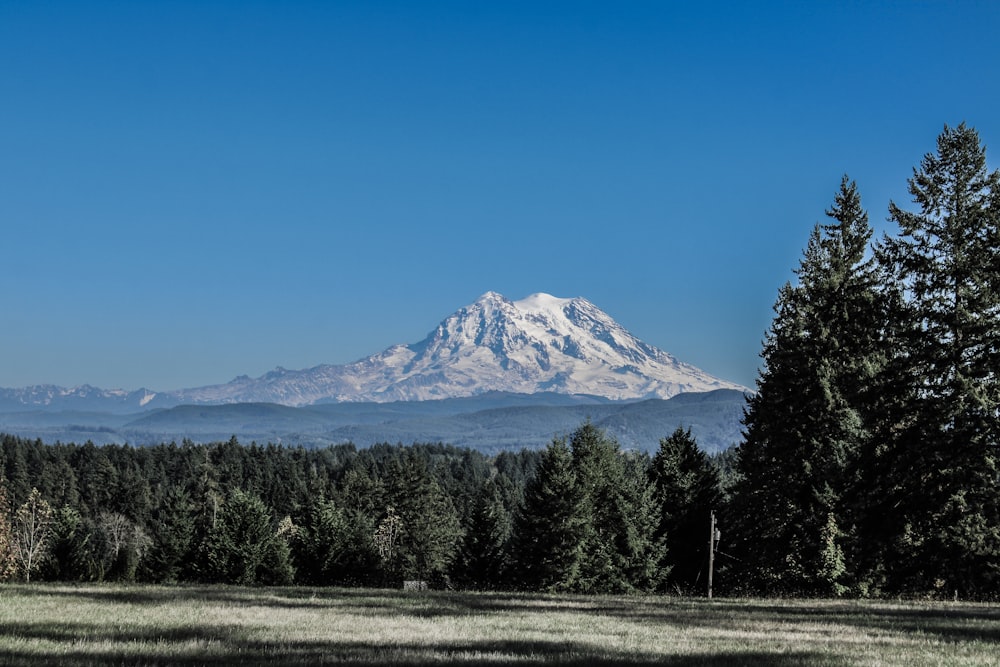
(711,554)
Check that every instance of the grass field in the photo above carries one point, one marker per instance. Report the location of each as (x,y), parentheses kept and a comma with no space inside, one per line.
(193,625)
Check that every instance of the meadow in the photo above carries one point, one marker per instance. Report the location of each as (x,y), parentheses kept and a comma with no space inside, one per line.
(79,625)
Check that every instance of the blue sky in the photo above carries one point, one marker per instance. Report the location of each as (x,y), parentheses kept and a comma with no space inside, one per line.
(191,191)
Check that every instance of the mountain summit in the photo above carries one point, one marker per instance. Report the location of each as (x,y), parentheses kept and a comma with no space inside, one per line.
(540,343)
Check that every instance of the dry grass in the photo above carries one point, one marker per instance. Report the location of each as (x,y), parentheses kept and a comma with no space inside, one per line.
(192,625)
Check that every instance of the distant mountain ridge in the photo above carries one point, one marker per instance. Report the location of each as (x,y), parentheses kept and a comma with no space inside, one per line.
(488,422)
(82,397)
(538,344)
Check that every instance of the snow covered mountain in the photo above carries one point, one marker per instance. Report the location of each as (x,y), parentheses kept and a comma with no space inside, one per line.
(82,398)
(538,344)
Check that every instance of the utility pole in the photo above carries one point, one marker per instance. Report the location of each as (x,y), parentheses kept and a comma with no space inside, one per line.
(711,554)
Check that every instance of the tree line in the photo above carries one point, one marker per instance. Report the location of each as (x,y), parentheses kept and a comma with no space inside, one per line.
(581,515)
(870,463)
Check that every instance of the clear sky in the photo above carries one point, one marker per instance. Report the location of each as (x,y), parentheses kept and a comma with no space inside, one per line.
(191,191)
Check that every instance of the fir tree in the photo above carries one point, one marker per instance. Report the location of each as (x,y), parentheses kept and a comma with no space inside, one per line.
(615,541)
(172,530)
(71,555)
(430,528)
(938,426)
(485,545)
(244,548)
(687,489)
(327,548)
(806,425)
(550,528)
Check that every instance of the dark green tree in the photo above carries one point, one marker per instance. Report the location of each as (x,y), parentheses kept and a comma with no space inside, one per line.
(172,531)
(643,551)
(687,490)
(15,473)
(244,548)
(806,424)
(430,530)
(550,529)
(330,547)
(97,478)
(485,546)
(615,542)
(939,510)
(70,556)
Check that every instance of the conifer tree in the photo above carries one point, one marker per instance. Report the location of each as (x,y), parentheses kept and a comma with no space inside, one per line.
(806,424)
(687,489)
(430,530)
(642,550)
(938,428)
(15,472)
(319,543)
(70,553)
(485,545)
(172,530)
(243,548)
(328,548)
(615,541)
(550,528)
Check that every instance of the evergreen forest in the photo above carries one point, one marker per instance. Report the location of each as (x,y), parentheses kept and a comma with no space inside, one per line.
(868,466)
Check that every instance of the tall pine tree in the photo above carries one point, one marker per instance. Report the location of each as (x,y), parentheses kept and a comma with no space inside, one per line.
(938,429)
(549,530)
(430,531)
(687,488)
(617,540)
(485,544)
(805,426)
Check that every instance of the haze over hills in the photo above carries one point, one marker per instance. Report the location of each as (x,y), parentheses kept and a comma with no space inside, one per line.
(538,344)
(487,422)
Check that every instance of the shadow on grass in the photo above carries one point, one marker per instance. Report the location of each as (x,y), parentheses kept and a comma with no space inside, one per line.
(953,622)
(76,642)
(403,655)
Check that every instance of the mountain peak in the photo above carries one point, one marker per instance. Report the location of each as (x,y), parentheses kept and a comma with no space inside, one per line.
(540,301)
(492,296)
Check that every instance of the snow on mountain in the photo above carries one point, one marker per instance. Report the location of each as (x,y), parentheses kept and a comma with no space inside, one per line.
(84,397)
(538,344)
